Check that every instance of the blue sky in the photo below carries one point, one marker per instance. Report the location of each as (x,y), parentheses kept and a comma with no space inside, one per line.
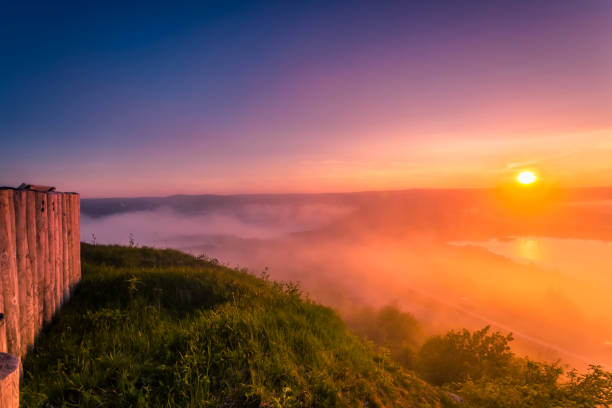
(314,96)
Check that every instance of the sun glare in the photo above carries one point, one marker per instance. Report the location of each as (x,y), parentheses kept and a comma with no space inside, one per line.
(526,177)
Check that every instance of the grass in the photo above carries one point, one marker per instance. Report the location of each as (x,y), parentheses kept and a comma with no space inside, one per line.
(159,328)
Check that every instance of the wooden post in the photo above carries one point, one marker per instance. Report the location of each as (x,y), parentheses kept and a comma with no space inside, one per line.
(72,259)
(73,240)
(55,270)
(9,381)
(58,255)
(3,344)
(16,350)
(24,271)
(77,236)
(4,254)
(59,249)
(33,256)
(68,244)
(42,253)
(65,249)
(8,272)
(50,272)
(78,229)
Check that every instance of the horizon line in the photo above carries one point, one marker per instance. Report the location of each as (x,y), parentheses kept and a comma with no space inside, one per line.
(432,189)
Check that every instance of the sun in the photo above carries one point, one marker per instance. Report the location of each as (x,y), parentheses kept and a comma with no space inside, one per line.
(526,177)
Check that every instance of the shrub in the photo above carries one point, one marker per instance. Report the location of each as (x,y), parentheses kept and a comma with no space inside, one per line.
(462,355)
(389,327)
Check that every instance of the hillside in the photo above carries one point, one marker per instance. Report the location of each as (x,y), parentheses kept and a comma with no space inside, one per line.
(152,328)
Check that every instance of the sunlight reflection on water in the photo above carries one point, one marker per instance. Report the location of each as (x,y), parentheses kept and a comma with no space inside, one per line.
(528,248)
(570,256)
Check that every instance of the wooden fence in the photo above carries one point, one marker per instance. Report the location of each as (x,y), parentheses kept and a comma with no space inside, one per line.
(40,263)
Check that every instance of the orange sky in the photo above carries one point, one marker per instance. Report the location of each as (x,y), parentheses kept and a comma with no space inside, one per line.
(306,98)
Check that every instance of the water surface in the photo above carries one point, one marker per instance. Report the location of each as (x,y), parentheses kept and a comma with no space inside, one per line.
(575,257)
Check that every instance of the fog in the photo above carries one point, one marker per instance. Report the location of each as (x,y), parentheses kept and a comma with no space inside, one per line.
(164,225)
(375,249)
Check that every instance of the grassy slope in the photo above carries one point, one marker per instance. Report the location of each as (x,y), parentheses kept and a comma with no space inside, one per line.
(157,328)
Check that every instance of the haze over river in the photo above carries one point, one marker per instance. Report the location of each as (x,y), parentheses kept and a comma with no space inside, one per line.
(573,257)
(548,282)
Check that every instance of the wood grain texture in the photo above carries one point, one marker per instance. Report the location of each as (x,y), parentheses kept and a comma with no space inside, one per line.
(51,254)
(3,344)
(8,272)
(42,238)
(77,236)
(39,265)
(59,253)
(66,248)
(69,246)
(33,259)
(24,272)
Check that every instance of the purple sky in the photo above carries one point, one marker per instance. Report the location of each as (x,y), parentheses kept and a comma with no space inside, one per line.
(343,96)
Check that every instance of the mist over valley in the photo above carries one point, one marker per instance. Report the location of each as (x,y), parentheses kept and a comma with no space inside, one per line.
(436,254)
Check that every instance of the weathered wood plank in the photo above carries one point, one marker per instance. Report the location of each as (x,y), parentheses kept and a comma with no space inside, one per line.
(3,344)
(51,254)
(41,253)
(73,239)
(8,271)
(66,249)
(69,246)
(24,271)
(77,235)
(33,257)
(59,250)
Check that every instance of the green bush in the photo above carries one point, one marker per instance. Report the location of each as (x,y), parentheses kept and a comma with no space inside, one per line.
(539,385)
(389,327)
(480,368)
(462,355)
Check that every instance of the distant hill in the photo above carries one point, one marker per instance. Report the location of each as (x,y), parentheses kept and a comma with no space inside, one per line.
(98,207)
(454,214)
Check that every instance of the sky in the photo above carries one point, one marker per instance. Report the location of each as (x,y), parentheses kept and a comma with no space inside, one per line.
(318,96)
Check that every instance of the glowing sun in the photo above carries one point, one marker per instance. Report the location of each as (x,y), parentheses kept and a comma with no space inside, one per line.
(526,177)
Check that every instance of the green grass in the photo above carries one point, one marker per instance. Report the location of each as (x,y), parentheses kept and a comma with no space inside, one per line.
(152,328)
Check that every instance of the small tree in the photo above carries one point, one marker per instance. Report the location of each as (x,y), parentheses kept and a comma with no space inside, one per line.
(593,388)
(461,355)
(391,328)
